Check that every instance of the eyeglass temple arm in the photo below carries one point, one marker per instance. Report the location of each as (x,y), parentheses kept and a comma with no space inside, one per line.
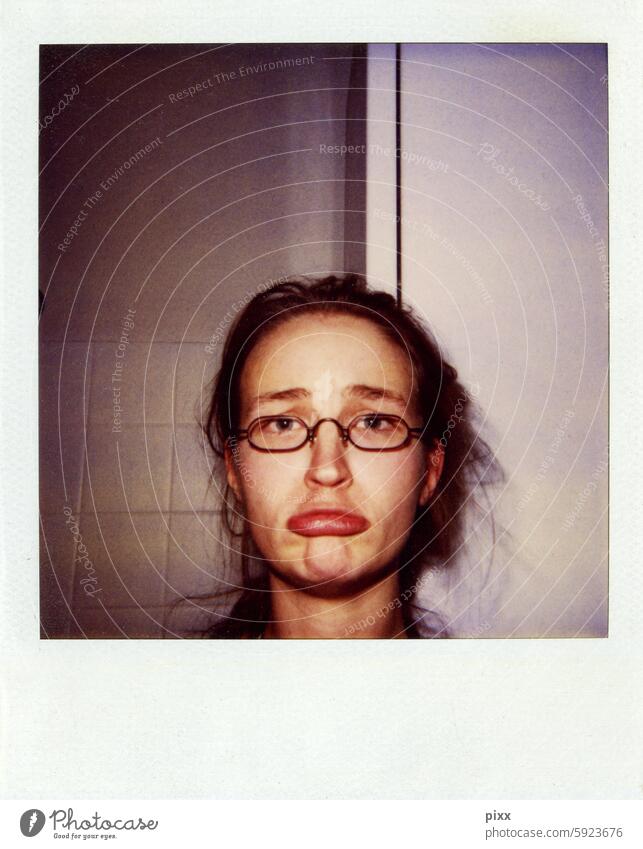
(237,434)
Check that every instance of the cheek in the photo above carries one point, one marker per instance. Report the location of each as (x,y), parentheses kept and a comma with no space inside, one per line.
(391,484)
(267,484)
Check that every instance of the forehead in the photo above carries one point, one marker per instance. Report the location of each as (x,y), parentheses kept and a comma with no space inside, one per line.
(326,353)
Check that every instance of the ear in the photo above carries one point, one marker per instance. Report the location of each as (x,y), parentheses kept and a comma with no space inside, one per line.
(434,466)
(231,470)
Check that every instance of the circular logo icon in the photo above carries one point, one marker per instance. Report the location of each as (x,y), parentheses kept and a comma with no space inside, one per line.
(31,822)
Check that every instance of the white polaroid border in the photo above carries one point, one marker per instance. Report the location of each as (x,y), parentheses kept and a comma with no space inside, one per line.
(476,719)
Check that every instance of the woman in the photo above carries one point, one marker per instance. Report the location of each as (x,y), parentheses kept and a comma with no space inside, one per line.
(348,454)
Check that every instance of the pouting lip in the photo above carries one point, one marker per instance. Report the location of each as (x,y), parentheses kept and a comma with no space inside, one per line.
(328,521)
(329,513)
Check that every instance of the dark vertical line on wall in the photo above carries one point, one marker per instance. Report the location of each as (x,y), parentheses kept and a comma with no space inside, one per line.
(398,171)
(355,167)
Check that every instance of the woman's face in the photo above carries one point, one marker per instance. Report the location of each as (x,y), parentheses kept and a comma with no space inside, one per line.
(330,517)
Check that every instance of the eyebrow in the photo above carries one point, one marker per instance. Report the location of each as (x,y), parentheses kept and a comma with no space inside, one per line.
(355,390)
(375,393)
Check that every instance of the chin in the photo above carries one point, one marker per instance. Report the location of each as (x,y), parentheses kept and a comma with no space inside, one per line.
(320,569)
(329,558)
(332,575)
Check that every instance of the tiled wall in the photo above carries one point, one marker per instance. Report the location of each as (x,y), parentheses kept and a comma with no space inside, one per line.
(236,194)
(146,511)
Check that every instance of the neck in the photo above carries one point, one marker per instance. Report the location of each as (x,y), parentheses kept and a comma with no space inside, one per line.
(375,613)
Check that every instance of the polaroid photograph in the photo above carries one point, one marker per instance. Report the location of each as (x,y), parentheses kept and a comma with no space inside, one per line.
(323,341)
(319,429)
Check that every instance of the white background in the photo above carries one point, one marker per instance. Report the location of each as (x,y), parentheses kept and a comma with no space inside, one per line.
(444,720)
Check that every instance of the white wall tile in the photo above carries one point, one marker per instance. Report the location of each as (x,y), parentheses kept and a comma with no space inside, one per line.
(140,382)
(64,387)
(196,555)
(195,369)
(129,470)
(56,575)
(128,555)
(191,489)
(121,623)
(197,574)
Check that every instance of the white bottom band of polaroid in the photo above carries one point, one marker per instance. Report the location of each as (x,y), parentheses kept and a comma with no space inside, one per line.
(322,823)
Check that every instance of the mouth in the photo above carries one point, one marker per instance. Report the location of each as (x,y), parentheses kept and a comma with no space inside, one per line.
(337,523)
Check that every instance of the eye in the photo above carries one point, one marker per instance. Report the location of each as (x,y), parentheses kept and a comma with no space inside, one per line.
(375,422)
(283,424)
(277,433)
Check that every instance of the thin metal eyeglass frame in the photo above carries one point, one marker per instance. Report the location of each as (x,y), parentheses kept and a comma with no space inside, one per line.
(243,433)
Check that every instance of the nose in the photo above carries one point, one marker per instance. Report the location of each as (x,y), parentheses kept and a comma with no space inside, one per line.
(328,461)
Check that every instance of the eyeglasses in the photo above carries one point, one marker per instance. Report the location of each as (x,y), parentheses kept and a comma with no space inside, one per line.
(372,432)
